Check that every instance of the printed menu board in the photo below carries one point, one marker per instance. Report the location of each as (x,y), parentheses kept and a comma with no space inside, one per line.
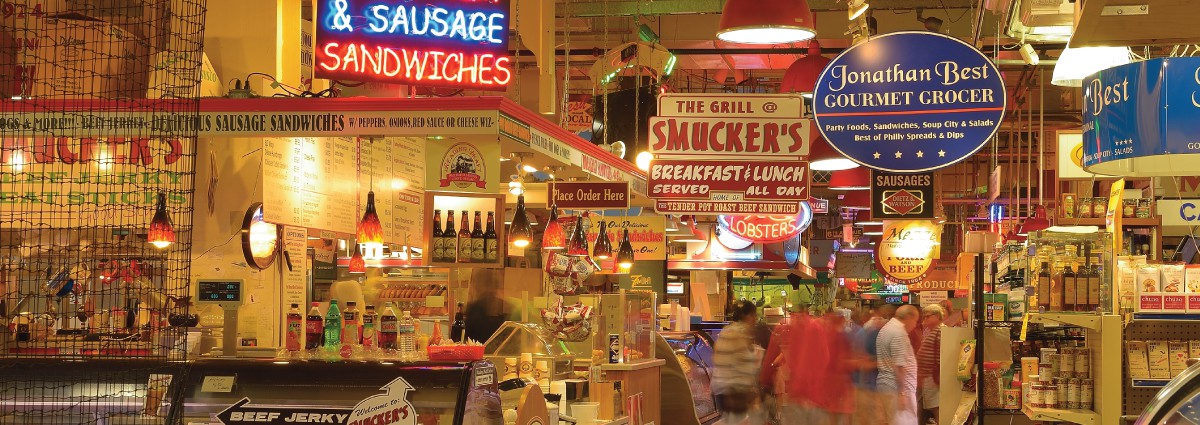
(322,183)
(310,182)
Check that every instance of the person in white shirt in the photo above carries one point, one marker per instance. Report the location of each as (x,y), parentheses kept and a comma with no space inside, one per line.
(897,381)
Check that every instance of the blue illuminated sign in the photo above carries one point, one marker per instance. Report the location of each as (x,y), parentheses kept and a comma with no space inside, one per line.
(1138,110)
(453,43)
(908,102)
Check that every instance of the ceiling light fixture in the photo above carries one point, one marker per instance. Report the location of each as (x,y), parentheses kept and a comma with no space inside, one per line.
(857,8)
(1075,64)
(370,229)
(856,200)
(766,22)
(520,233)
(643,160)
(515,186)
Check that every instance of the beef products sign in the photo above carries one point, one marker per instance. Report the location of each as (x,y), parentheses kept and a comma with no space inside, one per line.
(729,154)
(895,196)
(909,102)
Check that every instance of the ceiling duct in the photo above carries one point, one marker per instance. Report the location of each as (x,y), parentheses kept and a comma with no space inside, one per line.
(1035,20)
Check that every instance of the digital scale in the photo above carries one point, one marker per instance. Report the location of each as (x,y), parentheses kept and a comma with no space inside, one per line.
(229,294)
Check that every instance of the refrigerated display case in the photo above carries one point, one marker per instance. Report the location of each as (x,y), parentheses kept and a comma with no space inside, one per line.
(217,391)
(88,391)
(694,352)
(1178,403)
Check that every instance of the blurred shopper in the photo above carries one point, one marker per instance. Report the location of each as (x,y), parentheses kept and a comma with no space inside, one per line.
(929,362)
(932,317)
(736,360)
(867,408)
(897,380)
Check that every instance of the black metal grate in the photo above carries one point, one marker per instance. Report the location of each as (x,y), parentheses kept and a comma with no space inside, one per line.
(97,98)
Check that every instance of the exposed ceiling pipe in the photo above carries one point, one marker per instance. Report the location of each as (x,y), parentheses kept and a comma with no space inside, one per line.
(798,50)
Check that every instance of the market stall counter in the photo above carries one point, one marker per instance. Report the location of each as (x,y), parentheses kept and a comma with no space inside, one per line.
(233,391)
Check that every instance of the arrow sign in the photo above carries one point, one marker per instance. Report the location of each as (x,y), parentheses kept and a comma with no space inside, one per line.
(243,412)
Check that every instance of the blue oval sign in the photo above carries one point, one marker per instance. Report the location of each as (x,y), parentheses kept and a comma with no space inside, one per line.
(908,102)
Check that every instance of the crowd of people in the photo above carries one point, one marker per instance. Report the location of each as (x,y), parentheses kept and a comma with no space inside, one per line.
(874,366)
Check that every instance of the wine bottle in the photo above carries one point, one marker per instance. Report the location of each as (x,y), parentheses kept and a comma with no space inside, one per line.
(491,246)
(477,250)
(449,239)
(464,240)
(437,244)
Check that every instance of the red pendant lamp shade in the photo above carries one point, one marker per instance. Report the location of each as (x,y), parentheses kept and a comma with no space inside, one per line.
(370,230)
(161,233)
(1035,223)
(857,200)
(852,179)
(357,263)
(766,21)
(802,76)
(822,157)
(554,238)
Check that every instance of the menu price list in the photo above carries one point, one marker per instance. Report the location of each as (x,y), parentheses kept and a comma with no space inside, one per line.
(316,182)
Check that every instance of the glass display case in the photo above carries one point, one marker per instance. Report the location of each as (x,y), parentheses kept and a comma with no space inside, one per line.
(1178,403)
(1069,270)
(220,391)
(694,350)
(88,391)
(535,343)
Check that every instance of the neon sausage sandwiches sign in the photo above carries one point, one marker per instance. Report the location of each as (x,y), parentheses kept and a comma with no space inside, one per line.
(449,43)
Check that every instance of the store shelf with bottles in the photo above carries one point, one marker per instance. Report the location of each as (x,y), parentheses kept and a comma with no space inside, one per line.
(465,243)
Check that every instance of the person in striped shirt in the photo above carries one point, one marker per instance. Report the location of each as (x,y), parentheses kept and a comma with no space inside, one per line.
(897,381)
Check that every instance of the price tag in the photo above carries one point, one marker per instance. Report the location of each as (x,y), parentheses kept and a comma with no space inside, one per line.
(217,384)
(435,301)
(1024,326)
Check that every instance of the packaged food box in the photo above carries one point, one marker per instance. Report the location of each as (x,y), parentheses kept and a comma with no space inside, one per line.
(1158,354)
(1172,278)
(1178,350)
(1137,359)
(1193,302)
(1194,349)
(1150,302)
(1174,303)
(1191,278)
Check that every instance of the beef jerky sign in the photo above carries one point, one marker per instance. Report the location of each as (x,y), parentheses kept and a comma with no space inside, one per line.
(898,196)
(389,408)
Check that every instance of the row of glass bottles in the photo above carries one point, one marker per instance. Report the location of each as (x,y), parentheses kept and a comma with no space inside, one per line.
(1066,281)
(466,245)
(352,331)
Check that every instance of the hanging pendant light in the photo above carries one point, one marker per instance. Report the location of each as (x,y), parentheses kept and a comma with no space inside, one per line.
(603,248)
(689,231)
(671,225)
(856,200)
(578,245)
(1075,64)
(357,263)
(554,238)
(370,230)
(766,21)
(1035,223)
(802,75)
(162,232)
(852,179)
(823,157)
(520,233)
(625,252)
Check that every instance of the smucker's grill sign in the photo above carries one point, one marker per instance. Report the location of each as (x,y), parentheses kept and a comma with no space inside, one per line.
(909,102)
(729,154)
